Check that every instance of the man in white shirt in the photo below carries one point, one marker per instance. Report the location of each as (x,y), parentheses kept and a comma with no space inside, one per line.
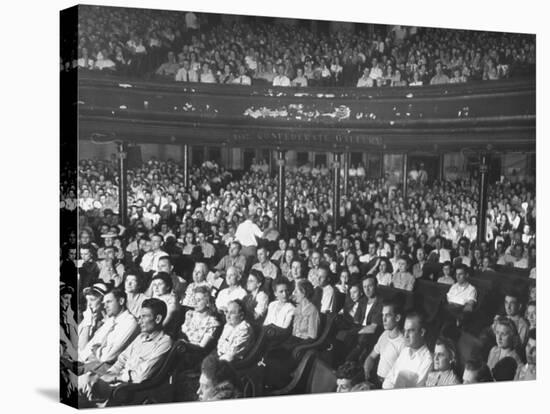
(389,345)
(444,254)
(243,78)
(246,235)
(186,74)
(233,291)
(264,265)
(415,360)
(462,293)
(118,330)
(150,260)
(281,79)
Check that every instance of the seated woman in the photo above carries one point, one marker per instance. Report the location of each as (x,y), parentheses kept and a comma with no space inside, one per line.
(134,298)
(508,341)
(161,288)
(344,283)
(444,365)
(280,312)
(383,276)
(218,380)
(199,279)
(279,361)
(256,301)
(237,337)
(201,324)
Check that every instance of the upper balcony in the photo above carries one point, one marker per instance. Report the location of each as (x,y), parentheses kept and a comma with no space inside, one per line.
(501,114)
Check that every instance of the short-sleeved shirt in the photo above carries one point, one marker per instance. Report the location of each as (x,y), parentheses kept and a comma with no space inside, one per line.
(388,349)
(235,341)
(279,314)
(196,326)
(461,295)
(403,280)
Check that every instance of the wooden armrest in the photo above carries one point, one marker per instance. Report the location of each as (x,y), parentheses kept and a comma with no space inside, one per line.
(297,375)
(300,350)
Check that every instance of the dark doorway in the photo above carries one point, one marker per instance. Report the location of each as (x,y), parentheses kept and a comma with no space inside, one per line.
(215,154)
(197,154)
(302,158)
(248,157)
(374,166)
(320,159)
(430,163)
(355,158)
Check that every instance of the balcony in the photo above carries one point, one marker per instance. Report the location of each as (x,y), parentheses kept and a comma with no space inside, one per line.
(448,117)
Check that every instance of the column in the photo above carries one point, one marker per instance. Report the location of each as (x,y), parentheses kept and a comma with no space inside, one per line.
(281,190)
(336,190)
(482,205)
(186,166)
(381,165)
(346,156)
(270,163)
(441,167)
(405,174)
(123,187)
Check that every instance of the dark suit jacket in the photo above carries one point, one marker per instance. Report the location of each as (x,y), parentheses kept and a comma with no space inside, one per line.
(375,313)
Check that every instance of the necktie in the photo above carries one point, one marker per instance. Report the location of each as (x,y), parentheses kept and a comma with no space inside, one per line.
(187,76)
(241,80)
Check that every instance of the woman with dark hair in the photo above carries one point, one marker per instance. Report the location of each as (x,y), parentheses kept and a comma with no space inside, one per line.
(134,296)
(256,301)
(218,380)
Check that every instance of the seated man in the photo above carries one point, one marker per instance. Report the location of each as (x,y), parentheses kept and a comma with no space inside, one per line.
(264,265)
(415,360)
(348,376)
(324,294)
(371,325)
(512,308)
(233,290)
(138,362)
(118,330)
(528,371)
(237,337)
(233,258)
(462,296)
(389,344)
(476,371)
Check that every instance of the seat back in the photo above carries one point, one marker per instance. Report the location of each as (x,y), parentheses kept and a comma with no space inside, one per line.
(321,378)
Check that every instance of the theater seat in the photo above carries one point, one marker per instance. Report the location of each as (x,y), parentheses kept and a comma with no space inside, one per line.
(312,376)
(157,389)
